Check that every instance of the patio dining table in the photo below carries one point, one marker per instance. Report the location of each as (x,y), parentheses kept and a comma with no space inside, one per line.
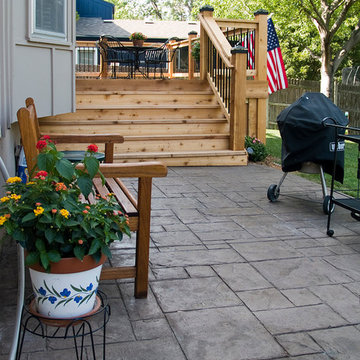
(137,52)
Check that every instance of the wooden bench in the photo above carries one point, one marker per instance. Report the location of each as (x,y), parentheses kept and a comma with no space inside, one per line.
(137,207)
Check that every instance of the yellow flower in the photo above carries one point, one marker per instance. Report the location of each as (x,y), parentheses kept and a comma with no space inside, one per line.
(64,213)
(2,220)
(4,199)
(30,183)
(39,210)
(15,197)
(14,179)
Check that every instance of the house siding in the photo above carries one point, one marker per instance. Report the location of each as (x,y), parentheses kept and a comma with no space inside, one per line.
(43,70)
(95,8)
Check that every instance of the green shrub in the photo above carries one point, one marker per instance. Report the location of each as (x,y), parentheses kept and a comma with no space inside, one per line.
(255,148)
(195,51)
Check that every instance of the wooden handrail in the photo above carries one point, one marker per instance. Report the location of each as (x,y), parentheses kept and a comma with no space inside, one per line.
(217,38)
(239,24)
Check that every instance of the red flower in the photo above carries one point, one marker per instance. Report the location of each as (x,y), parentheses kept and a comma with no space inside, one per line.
(92,148)
(41,174)
(41,144)
(46,137)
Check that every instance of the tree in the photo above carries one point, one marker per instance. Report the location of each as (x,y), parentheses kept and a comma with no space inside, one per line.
(158,9)
(338,25)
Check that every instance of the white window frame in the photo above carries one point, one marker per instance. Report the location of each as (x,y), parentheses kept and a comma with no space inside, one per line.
(94,52)
(52,37)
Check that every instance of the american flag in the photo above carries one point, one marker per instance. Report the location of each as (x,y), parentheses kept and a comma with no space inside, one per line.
(248,42)
(276,74)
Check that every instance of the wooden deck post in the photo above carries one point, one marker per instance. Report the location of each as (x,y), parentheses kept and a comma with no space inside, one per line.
(238,118)
(261,73)
(204,43)
(103,61)
(191,60)
(171,63)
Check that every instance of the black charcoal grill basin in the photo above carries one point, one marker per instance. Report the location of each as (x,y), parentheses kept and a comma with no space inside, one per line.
(306,141)
(305,138)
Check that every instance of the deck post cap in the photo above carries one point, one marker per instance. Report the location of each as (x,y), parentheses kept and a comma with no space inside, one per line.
(206,8)
(261,12)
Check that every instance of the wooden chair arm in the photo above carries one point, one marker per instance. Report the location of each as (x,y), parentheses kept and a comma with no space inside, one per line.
(127,170)
(108,139)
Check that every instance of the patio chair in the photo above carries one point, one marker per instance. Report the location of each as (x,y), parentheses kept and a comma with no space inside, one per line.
(114,52)
(158,58)
(137,207)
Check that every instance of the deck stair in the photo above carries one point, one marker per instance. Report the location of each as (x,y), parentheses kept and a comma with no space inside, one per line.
(179,122)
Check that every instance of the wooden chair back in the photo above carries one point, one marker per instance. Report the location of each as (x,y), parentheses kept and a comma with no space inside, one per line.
(30,132)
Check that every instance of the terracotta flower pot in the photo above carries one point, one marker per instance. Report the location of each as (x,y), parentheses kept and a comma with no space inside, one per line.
(69,290)
(138,43)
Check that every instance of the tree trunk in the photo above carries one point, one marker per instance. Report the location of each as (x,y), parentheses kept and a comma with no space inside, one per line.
(326,80)
(326,70)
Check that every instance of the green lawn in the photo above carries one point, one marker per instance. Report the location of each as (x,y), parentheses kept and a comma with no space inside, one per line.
(273,145)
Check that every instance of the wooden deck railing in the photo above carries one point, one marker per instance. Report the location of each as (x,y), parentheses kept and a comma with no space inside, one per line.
(233,59)
(238,74)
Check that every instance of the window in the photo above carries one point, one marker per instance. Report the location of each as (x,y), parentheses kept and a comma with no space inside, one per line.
(49,20)
(87,56)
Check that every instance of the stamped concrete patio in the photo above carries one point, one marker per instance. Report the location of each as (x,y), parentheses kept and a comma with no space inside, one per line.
(232,277)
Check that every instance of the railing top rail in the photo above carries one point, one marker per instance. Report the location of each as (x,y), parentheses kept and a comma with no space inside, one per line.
(217,38)
(244,24)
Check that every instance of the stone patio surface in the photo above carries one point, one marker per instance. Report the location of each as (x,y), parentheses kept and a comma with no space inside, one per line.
(232,276)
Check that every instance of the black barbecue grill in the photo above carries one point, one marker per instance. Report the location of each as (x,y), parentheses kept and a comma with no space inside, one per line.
(308,145)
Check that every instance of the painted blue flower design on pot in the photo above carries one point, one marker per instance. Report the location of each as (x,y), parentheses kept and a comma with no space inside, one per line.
(52,299)
(65,293)
(42,291)
(77,298)
(78,294)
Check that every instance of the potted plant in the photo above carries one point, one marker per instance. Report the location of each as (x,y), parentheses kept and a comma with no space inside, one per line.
(255,149)
(49,218)
(137,38)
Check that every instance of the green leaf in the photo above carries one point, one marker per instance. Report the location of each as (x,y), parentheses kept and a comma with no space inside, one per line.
(79,252)
(70,222)
(32,258)
(46,219)
(45,261)
(92,165)
(50,235)
(65,168)
(106,251)
(85,184)
(54,256)
(19,235)
(45,161)
(59,238)
(40,245)
(95,246)
(28,217)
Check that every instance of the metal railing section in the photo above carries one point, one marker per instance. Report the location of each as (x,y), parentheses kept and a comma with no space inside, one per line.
(220,74)
(245,38)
